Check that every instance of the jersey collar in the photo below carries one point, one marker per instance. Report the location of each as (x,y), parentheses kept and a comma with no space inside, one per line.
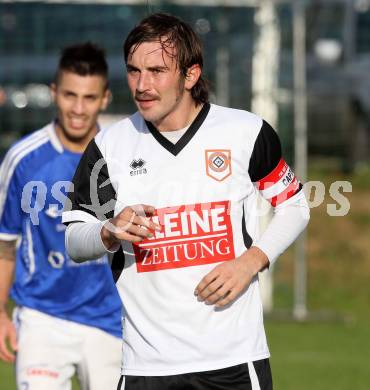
(176,148)
(54,138)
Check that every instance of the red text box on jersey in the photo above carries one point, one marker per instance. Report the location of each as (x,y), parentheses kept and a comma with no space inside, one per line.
(191,235)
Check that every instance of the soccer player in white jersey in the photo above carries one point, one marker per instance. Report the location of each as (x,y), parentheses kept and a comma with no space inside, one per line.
(172,191)
(67,315)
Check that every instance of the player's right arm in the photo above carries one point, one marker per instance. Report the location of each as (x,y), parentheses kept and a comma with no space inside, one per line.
(11,218)
(93,228)
(8,338)
(91,240)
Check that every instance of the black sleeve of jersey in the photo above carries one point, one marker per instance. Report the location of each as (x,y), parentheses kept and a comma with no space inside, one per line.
(266,153)
(93,192)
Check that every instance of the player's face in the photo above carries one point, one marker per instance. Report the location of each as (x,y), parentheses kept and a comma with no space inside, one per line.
(79,99)
(160,92)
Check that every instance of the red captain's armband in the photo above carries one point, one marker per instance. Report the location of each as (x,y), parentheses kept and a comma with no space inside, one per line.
(279,185)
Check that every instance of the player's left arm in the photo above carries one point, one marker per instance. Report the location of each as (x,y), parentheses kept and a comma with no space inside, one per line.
(276,183)
(228,280)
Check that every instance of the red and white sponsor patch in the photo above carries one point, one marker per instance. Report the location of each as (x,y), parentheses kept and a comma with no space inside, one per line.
(34,371)
(279,185)
(191,235)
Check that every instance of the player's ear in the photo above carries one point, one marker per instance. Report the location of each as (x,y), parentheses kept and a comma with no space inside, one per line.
(107,98)
(192,76)
(53,90)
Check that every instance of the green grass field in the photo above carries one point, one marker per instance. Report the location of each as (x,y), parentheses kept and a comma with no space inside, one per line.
(331,350)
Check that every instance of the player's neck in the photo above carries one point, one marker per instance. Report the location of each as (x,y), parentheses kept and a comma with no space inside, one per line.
(182,117)
(72,144)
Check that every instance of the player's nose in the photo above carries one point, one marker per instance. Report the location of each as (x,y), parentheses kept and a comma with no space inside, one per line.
(78,106)
(143,83)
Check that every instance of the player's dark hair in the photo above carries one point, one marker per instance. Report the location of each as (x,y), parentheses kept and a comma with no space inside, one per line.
(83,59)
(171,32)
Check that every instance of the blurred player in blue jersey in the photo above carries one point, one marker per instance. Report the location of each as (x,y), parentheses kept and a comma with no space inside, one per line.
(67,315)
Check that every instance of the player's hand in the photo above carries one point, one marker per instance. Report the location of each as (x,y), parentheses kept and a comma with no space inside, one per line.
(131,224)
(228,280)
(7,334)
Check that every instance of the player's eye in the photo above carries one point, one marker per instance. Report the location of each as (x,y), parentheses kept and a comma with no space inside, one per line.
(70,95)
(132,70)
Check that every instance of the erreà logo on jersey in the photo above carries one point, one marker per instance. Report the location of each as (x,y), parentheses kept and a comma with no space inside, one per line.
(137,167)
(218,163)
(191,235)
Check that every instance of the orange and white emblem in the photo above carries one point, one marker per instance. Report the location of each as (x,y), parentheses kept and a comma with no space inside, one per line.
(218,163)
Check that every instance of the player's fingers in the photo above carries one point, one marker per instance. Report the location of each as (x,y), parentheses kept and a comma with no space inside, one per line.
(229,297)
(128,214)
(129,237)
(147,209)
(124,231)
(208,279)
(146,222)
(210,289)
(139,231)
(121,230)
(137,215)
(143,210)
(5,353)
(219,295)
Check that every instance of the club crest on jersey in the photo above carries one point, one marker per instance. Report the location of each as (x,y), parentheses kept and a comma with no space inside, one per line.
(218,163)
(138,167)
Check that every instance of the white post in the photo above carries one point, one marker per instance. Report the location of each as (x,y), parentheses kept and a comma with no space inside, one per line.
(300,148)
(265,67)
(223,64)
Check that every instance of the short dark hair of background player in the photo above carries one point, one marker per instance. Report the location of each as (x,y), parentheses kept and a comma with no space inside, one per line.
(83,59)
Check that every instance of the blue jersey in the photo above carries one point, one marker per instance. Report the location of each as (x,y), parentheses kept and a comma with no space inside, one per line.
(35,176)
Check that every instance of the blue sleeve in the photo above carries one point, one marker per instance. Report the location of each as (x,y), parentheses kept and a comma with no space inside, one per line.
(10,199)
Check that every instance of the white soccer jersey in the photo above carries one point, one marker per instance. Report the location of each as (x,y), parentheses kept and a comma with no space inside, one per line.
(204,191)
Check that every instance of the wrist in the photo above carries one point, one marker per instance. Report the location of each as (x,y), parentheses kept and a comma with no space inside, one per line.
(3,310)
(255,259)
(109,241)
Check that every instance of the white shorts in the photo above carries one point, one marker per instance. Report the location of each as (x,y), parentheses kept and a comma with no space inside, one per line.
(50,350)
